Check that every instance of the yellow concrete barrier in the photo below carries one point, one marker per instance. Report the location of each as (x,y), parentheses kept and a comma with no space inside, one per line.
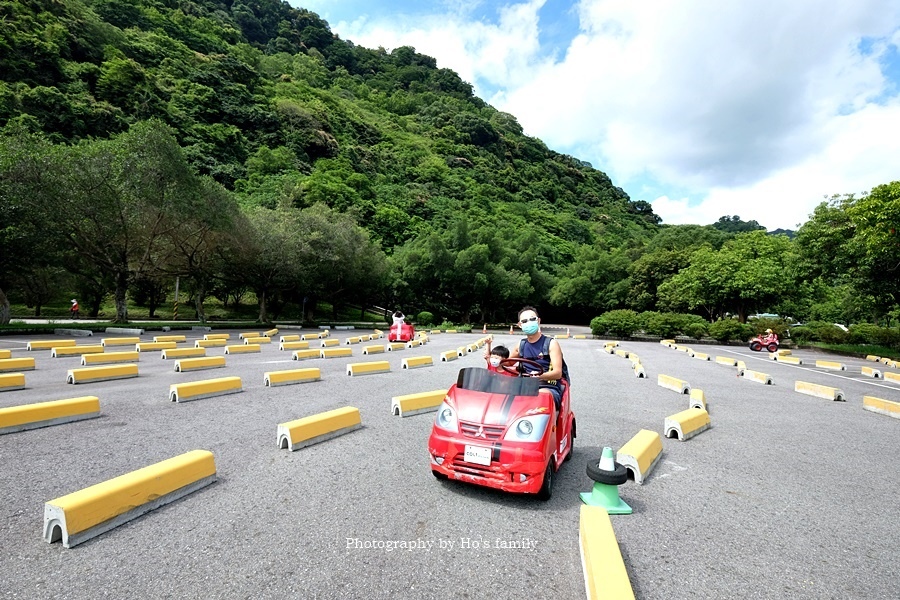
(472,348)
(295,345)
(414,362)
(249,341)
(217,336)
(151,346)
(638,370)
(819,391)
(169,338)
(311,336)
(183,353)
(870,403)
(395,346)
(890,363)
(622,353)
(758,377)
(335,352)
(579,337)
(685,349)
(199,364)
(49,344)
(45,414)
(561,336)
(741,367)
(5,354)
(121,341)
(271,333)
(110,358)
(601,560)
(449,355)
(353,340)
(104,373)
(243,349)
(247,334)
(210,343)
(368,368)
(207,388)
(325,334)
(698,400)
(784,352)
(891,376)
(414,343)
(641,454)
(726,360)
(435,331)
(700,355)
(290,377)
(375,349)
(75,351)
(674,384)
(873,358)
(330,343)
(613,344)
(460,351)
(9,365)
(307,431)
(290,338)
(831,365)
(85,514)
(790,360)
(867,371)
(12,381)
(415,404)
(306,354)
(668,343)
(634,358)
(686,424)
(609,349)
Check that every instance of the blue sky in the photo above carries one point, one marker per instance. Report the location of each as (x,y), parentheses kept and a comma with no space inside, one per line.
(760,109)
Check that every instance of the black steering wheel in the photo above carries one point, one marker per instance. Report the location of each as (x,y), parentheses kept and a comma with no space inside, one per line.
(512,366)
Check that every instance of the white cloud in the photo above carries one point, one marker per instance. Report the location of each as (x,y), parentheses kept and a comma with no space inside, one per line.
(759,109)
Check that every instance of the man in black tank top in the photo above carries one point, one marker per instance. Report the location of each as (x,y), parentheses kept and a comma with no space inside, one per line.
(535,347)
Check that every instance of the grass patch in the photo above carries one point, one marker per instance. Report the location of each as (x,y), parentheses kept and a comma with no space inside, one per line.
(861,350)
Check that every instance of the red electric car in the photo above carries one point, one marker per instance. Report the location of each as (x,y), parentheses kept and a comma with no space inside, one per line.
(401,333)
(499,431)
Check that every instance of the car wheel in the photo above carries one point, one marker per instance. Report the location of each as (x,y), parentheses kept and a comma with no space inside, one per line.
(547,488)
(615,477)
(571,448)
(439,476)
(755,346)
(772,347)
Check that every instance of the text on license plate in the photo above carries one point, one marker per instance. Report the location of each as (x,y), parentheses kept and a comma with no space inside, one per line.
(478,455)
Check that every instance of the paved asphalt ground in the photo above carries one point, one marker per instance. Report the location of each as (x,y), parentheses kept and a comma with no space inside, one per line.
(786,496)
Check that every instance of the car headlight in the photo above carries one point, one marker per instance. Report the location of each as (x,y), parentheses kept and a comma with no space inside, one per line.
(446,418)
(527,429)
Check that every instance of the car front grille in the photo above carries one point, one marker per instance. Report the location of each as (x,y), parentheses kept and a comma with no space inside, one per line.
(481,432)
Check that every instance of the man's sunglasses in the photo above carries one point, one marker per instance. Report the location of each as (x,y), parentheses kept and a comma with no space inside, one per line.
(529,319)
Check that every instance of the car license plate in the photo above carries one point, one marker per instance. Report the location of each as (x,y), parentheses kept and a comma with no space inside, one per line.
(477,455)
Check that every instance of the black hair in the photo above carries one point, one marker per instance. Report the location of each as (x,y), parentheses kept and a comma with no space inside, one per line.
(501,351)
(398,314)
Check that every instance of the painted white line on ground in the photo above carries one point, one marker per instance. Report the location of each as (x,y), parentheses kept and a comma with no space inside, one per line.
(766,360)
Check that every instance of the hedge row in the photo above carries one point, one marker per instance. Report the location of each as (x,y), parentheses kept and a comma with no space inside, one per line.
(860,334)
(624,323)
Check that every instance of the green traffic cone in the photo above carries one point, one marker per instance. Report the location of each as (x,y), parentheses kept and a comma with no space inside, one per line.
(604,494)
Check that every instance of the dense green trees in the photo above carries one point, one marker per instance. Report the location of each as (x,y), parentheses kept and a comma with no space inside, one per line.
(243,146)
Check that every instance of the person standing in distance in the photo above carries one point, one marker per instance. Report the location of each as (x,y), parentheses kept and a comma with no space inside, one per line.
(74,308)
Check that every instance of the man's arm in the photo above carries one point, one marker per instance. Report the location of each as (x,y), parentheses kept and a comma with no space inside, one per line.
(556,360)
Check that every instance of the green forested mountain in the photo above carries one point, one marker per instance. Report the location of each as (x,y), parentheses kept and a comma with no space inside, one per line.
(244,147)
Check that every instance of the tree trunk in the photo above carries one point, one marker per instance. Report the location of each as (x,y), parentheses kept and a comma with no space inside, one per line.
(4,308)
(261,298)
(121,298)
(95,306)
(199,297)
(37,310)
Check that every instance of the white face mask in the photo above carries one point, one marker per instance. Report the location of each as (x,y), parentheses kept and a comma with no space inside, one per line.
(495,361)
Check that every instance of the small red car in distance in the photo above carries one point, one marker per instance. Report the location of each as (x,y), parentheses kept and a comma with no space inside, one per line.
(401,333)
(498,431)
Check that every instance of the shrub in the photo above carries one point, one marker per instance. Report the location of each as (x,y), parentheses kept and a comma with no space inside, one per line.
(724,330)
(620,323)
(864,333)
(666,325)
(826,332)
(447,325)
(779,326)
(802,335)
(697,330)
(644,319)
(425,318)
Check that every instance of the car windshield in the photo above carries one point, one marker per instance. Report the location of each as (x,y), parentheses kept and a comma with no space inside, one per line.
(482,380)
